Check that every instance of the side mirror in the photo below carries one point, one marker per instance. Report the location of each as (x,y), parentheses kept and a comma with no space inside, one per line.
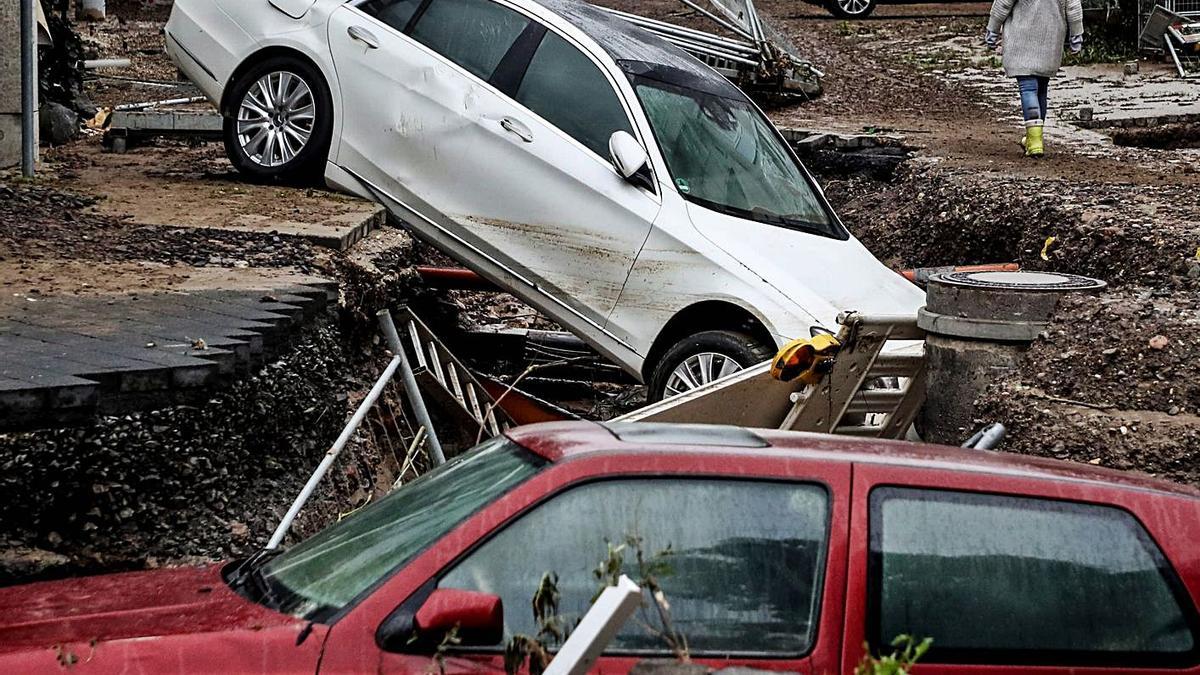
(630,158)
(479,618)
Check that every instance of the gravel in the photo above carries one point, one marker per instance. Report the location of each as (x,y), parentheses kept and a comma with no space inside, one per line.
(187,483)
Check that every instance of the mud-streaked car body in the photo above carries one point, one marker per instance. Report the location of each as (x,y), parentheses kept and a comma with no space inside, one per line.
(604,176)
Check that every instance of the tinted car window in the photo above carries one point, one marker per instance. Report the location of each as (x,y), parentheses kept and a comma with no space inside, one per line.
(745,565)
(569,91)
(475,34)
(395,13)
(1016,580)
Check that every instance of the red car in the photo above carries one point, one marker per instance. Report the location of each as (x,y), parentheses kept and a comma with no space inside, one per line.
(788,552)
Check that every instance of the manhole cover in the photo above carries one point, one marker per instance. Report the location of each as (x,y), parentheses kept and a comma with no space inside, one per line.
(1022,281)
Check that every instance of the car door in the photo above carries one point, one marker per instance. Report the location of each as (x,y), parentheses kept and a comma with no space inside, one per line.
(751,567)
(497,129)
(1010,574)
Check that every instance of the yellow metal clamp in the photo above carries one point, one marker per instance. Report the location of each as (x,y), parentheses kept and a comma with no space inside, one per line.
(807,360)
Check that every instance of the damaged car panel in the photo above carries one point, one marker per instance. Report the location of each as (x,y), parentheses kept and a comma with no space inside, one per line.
(503,131)
(798,548)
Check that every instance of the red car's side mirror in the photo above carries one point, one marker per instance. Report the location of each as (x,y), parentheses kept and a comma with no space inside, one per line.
(418,626)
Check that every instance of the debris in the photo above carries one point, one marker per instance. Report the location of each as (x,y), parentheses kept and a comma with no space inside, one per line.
(199,344)
(1046,247)
(59,124)
(96,64)
(160,104)
(875,388)
(753,60)
(1159,342)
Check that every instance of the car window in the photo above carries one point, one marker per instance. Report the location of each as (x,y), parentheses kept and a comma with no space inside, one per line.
(565,88)
(395,13)
(325,573)
(744,569)
(1017,580)
(475,34)
(724,155)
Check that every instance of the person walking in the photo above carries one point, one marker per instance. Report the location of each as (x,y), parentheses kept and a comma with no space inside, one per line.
(1033,33)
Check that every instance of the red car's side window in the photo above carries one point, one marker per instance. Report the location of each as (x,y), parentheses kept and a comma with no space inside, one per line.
(997,579)
(743,565)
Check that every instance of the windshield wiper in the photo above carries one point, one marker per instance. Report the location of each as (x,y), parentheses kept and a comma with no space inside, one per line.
(247,577)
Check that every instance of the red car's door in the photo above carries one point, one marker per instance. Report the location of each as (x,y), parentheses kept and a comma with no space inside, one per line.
(754,574)
(1008,573)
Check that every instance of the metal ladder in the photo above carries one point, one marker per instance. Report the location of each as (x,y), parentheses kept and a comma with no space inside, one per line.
(447,381)
(875,388)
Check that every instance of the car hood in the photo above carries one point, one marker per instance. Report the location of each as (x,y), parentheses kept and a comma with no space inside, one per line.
(820,275)
(122,606)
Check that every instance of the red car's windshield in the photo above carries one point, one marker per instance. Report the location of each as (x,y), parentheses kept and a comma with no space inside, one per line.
(329,571)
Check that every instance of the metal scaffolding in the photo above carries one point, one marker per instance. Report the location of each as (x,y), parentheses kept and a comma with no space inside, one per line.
(753,60)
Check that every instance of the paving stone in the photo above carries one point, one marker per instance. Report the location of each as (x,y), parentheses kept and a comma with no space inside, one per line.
(67,356)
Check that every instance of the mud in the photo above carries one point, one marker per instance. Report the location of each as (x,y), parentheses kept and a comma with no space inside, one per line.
(1165,137)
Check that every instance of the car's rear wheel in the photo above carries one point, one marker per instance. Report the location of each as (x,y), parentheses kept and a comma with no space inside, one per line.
(850,9)
(702,358)
(280,121)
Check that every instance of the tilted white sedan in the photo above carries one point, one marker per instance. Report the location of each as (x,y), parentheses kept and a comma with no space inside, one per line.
(610,180)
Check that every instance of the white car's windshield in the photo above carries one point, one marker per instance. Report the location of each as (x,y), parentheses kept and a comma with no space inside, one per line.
(723,155)
(322,575)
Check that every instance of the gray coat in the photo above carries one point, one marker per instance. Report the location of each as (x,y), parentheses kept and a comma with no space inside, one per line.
(1035,32)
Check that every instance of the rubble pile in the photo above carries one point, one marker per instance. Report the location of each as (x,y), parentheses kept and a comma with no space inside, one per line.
(1122,234)
(1115,382)
(202,482)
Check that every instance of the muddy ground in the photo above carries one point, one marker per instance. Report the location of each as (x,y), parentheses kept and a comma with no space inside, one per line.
(1113,382)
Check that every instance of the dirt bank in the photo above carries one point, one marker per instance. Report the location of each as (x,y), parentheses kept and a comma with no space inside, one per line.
(203,482)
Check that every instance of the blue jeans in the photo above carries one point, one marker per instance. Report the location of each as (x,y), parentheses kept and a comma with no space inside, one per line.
(1034,92)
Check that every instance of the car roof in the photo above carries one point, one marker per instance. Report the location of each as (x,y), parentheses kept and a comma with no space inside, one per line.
(639,51)
(565,441)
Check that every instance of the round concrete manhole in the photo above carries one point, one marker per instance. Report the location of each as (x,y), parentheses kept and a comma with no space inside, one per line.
(1022,281)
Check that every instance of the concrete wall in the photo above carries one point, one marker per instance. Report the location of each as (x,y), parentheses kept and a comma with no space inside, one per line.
(10,83)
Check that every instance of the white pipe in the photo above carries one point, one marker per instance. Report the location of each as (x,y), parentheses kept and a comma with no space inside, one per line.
(597,628)
(338,445)
(93,64)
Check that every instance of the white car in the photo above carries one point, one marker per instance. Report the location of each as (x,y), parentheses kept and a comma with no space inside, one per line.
(607,178)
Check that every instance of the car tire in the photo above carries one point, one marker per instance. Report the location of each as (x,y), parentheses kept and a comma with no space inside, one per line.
(703,357)
(279,122)
(851,9)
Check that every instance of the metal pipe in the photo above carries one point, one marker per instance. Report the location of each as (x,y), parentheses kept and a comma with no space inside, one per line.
(987,438)
(723,22)
(28,86)
(710,51)
(163,103)
(410,384)
(455,278)
(670,28)
(334,451)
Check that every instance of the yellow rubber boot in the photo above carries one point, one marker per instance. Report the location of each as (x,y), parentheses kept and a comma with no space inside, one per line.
(1033,140)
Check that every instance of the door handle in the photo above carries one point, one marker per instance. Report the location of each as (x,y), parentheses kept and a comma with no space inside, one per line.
(364,36)
(516,128)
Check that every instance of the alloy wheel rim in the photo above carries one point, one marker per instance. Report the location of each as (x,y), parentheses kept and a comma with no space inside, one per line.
(698,370)
(854,6)
(276,119)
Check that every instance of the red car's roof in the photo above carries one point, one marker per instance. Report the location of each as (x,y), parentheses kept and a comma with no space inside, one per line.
(562,441)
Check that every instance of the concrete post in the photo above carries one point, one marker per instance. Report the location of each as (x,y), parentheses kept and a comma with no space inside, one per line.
(10,84)
(979,326)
